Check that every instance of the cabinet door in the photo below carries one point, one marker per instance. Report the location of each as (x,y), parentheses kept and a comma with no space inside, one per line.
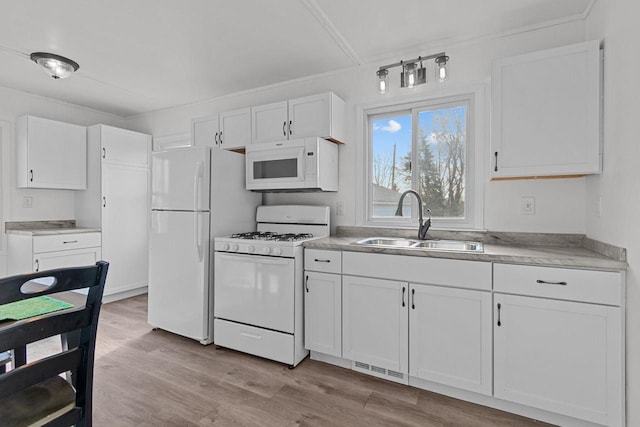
(63,259)
(375,323)
(310,116)
(56,154)
(561,356)
(235,129)
(124,146)
(546,111)
(323,313)
(269,122)
(204,131)
(125,224)
(450,337)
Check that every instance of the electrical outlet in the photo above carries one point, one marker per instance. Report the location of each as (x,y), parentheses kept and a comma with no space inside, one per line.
(340,208)
(527,205)
(27,202)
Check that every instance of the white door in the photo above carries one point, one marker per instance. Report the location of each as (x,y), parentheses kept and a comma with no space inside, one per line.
(125,226)
(450,337)
(235,129)
(179,291)
(323,313)
(255,290)
(310,116)
(375,322)
(269,122)
(125,147)
(561,356)
(181,179)
(57,155)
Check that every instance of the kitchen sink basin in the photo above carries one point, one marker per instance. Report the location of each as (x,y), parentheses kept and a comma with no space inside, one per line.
(450,245)
(394,242)
(432,245)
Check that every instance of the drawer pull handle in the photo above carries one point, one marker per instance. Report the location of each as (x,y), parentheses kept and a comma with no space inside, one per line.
(37,265)
(413,299)
(31,175)
(499,307)
(252,336)
(403,291)
(544,282)
(306,283)
(495,169)
(69,241)
(284,131)
(321,260)
(104,153)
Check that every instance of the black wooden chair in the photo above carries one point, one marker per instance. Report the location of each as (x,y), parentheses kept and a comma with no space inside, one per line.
(35,391)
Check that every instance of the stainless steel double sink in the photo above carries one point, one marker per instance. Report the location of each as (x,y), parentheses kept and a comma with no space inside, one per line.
(433,245)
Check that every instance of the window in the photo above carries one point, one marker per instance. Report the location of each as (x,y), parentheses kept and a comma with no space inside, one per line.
(427,146)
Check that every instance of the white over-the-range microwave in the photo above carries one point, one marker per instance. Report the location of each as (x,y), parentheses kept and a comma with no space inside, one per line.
(305,164)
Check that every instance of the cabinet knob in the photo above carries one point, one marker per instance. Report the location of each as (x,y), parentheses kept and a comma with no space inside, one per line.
(104,202)
(284,130)
(403,291)
(36,266)
(31,175)
(290,127)
(495,169)
(104,153)
(220,138)
(499,321)
(306,283)
(413,299)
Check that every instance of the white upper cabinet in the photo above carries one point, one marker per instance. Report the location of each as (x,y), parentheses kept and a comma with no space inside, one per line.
(546,113)
(235,129)
(321,115)
(230,130)
(269,122)
(50,154)
(125,147)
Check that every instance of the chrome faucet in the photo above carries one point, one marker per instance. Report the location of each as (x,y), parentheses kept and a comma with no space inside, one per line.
(422,228)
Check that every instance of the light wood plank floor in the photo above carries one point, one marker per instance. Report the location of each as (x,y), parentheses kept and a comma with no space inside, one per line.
(154,378)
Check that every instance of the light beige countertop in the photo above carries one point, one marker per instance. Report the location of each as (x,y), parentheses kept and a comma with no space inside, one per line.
(575,251)
(46,228)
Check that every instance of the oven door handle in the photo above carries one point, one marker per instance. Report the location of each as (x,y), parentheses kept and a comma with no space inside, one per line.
(257,259)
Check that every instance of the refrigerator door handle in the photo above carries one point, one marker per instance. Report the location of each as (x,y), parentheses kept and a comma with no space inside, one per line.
(197,186)
(198,237)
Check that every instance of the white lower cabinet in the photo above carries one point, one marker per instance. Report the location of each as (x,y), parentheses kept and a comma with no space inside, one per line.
(544,342)
(450,337)
(323,313)
(375,326)
(565,357)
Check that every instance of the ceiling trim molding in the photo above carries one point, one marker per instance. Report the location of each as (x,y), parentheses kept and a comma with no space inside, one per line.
(330,28)
(589,8)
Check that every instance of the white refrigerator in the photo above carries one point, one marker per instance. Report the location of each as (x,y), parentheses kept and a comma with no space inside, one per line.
(196,194)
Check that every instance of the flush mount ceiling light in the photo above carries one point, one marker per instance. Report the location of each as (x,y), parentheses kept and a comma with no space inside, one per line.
(411,74)
(56,66)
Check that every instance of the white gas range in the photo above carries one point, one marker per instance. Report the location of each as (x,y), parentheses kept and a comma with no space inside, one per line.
(259,283)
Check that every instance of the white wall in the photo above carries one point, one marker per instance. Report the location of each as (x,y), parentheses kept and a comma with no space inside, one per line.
(559,203)
(47,204)
(616,22)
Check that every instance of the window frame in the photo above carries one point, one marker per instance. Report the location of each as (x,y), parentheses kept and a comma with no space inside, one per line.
(474,152)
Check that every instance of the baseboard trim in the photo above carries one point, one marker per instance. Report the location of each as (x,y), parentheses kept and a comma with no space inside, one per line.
(124,294)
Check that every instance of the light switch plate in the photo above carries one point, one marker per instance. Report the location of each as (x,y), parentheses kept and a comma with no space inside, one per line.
(527,205)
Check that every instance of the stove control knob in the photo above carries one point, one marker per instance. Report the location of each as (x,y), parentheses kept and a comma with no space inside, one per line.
(277,251)
(233,247)
(251,249)
(225,246)
(266,250)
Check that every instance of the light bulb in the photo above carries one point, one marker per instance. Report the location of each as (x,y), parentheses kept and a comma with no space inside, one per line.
(383,80)
(441,71)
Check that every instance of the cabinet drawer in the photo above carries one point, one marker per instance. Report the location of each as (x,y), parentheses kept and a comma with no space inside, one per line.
(62,242)
(600,287)
(323,261)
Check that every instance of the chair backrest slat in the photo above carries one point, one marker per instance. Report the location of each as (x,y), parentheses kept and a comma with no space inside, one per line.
(40,370)
(42,327)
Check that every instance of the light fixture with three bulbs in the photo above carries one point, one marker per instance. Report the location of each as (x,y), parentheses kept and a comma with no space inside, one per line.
(411,74)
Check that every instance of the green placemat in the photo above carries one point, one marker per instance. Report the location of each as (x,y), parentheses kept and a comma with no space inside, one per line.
(31,307)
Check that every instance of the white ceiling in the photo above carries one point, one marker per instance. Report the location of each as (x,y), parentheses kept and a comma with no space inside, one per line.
(142,55)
